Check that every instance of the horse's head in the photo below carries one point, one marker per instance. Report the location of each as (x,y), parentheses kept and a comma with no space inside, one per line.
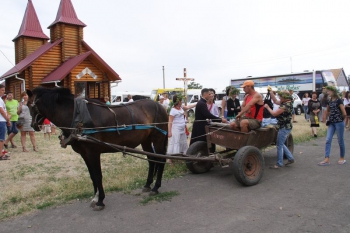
(37,117)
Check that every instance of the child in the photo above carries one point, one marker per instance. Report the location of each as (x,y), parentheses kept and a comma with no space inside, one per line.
(47,128)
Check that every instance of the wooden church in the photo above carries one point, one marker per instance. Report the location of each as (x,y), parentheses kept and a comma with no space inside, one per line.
(64,59)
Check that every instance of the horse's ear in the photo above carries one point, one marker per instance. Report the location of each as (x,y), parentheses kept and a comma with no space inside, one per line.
(29,93)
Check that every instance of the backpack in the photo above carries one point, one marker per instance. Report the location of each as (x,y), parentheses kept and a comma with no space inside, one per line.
(267,100)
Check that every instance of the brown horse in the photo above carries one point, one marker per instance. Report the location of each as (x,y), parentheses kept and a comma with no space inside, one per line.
(58,105)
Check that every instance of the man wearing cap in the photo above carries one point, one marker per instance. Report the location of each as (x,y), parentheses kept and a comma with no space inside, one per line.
(251,114)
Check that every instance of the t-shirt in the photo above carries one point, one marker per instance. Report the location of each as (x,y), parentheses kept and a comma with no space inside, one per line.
(47,122)
(12,107)
(306,101)
(179,119)
(3,106)
(284,119)
(335,115)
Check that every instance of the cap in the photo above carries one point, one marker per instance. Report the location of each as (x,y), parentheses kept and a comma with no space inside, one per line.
(248,83)
(161,97)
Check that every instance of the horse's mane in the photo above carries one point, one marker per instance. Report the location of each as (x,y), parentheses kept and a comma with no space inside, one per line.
(49,97)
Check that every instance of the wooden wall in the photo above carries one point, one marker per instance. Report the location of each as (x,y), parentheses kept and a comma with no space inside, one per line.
(43,66)
(25,46)
(72,34)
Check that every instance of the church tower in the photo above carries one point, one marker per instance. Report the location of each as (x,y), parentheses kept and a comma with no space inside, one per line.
(67,26)
(30,36)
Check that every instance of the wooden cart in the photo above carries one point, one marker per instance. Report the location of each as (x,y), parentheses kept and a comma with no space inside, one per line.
(243,151)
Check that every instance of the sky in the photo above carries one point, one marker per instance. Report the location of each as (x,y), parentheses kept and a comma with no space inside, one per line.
(216,41)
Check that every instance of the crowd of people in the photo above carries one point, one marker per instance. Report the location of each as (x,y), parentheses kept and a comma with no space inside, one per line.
(15,117)
(328,108)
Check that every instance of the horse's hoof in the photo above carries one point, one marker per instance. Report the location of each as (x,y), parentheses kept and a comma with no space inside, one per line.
(92,204)
(98,208)
(153,193)
(146,190)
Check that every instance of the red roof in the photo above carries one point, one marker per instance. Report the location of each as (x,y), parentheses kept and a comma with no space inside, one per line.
(31,58)
(65,68)
(66,14)
(96,59)
(30,25)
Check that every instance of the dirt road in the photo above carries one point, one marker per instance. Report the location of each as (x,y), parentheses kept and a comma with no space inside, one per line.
(301,198)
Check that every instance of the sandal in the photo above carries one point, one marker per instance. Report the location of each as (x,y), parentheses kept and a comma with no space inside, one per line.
(35,149)
(341,162)
(6,146)
(4,158)
(24,149)
(275,167)
(13,146)
(323,163)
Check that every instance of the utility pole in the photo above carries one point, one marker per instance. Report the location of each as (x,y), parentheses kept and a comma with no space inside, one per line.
(185,80)
(163,79)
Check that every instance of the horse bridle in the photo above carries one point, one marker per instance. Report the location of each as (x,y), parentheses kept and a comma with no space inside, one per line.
(36,121)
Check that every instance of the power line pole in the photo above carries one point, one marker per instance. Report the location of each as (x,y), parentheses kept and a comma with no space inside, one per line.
(163,78)
(185,80)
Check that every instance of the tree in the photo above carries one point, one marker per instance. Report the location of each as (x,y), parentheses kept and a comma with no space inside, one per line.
(193,85)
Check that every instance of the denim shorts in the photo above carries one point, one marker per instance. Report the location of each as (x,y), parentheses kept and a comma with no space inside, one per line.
(2,130)
(13,128)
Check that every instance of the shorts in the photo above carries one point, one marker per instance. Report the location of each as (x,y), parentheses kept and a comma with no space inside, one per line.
(46,128)
(253,123)
(2,130)
(13,128)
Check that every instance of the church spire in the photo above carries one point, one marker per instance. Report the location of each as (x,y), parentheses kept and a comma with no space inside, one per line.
(30,25)
(66,14)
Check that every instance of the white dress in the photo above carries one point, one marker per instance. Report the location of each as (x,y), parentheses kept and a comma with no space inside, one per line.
(178,140)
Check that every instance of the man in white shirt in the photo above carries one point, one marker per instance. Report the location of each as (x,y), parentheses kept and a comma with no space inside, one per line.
(130,98)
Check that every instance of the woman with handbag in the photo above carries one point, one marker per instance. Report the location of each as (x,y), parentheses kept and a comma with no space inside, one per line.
(24,113)
(336,115)
(314,108)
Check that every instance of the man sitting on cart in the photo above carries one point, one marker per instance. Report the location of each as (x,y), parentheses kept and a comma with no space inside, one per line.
(251,114)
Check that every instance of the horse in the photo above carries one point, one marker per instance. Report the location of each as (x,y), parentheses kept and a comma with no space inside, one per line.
(58,105)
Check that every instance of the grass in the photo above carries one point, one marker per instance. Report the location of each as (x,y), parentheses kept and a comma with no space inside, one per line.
(53,176)
(166,196)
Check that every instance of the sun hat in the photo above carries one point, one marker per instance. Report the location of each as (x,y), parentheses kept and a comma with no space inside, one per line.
(284,94)
(248,83)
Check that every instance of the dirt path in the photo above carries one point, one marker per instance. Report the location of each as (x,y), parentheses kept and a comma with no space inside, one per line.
(301,198)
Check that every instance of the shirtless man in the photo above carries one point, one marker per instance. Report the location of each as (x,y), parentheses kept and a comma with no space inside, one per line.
(251,114)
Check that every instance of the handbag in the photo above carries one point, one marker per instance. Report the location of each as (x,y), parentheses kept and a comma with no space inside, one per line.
(20,121)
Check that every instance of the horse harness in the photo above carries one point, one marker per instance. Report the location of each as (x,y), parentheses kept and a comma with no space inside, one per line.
(82,119)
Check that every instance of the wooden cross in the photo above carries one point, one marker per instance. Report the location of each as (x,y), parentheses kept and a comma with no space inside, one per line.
(185,80)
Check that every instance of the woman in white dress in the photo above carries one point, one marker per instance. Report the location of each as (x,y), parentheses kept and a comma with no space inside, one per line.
(176,128)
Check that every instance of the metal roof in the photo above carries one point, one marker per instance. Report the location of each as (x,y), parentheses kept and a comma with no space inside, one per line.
(30,59)
(65,68)
(97,60)
(30,24)
(66,14)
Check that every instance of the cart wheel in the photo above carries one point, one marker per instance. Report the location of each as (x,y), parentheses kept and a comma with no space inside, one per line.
(290,144)
(198,149)
(248,165)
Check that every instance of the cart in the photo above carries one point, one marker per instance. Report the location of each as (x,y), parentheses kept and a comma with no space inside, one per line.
(243,151)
